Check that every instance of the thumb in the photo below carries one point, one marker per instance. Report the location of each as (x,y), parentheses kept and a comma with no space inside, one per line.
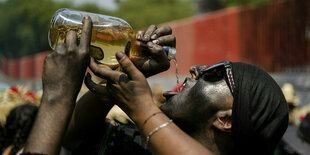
(92,86)
(129,67)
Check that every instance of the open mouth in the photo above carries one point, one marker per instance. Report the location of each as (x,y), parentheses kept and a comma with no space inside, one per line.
(169,94)
(183,84)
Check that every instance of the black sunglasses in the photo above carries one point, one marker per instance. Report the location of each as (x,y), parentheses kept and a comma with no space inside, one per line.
(219,71)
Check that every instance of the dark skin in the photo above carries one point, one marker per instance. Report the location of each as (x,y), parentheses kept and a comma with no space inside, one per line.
(155,38)
(61,84)
(132,93)
(60,91)
(202,109)
(83,123)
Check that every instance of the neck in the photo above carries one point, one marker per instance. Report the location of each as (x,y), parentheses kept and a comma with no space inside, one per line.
(216,141)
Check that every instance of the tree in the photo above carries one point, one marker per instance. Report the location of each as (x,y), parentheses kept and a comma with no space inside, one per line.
(208,5)
(212,5)
(228,3)
(24,24)
(142,13)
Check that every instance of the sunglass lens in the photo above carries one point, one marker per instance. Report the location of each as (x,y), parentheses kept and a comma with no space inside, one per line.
(214,75)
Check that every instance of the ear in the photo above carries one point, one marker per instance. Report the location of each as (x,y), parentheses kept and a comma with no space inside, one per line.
(223,120)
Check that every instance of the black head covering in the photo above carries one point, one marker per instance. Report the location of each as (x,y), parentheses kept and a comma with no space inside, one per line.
(260,112)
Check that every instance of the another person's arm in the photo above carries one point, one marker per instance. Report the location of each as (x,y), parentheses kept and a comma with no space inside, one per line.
(157,60)
(62,78)
(92,109)
(132,93)
(89,115)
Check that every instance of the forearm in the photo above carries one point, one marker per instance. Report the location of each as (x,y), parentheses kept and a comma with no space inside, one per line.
(62,77)
(169,139)
(89,113)
(50,125)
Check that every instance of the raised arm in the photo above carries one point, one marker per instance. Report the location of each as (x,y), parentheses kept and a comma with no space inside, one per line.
(157,60)
(83,121)
(62,78)
(89,114)
(132,93)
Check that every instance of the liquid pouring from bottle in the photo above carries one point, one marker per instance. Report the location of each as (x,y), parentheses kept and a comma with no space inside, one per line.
(109,35)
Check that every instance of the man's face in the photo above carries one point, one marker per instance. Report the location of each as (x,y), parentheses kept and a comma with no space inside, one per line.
(198,101)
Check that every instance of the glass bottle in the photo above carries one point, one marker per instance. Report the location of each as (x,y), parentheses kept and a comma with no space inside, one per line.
(109,35)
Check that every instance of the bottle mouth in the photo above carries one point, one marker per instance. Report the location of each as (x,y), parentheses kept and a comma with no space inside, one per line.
(52,25)
(49,33)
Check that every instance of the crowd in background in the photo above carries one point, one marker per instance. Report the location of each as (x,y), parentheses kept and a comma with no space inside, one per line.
(18,108)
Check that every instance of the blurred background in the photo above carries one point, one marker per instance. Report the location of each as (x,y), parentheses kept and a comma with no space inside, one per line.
(272,34)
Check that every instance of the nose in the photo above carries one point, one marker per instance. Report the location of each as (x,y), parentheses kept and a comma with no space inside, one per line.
(195,71)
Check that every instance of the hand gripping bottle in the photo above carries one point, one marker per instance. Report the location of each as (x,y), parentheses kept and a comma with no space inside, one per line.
(109,35)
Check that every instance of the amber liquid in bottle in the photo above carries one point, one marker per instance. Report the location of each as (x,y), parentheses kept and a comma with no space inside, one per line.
(105,42)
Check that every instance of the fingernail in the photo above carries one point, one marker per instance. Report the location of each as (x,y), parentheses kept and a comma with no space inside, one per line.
(120,55)
(150,44)
(155,41)
(84,18)
(139,36)
(146,37)
(154,36)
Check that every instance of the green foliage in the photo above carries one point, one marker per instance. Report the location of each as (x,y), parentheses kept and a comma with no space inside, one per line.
(90,7)
(228,3)
(142,13)
(24,23)
(204,6)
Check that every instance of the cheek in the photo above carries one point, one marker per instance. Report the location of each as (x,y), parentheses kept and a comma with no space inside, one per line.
(187,103)
(201,104)
(197,97)
(176,107)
